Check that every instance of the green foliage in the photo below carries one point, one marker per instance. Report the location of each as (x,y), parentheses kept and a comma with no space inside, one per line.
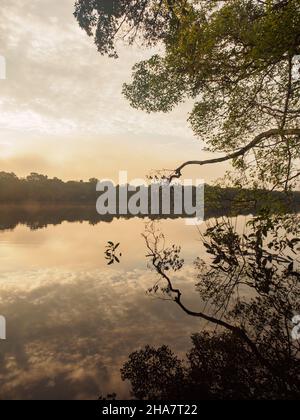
(111,20)
(156,87)
(236,59)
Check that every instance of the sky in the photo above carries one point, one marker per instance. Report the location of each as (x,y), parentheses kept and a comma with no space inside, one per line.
(62,112)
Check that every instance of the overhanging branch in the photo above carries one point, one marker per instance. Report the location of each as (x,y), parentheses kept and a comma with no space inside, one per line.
(241,152)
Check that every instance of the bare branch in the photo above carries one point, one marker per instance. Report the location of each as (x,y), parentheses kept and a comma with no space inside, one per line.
(241,152)
(238,331)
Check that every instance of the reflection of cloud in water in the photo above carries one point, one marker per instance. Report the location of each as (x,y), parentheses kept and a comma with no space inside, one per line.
(69,333)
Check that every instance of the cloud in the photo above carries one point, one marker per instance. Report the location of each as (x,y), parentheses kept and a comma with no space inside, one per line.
(57,81)
(61,97)
(69,333)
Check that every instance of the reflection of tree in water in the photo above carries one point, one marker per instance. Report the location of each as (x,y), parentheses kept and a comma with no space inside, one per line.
(111,253)
(246,107)
(218,366)
(251,285)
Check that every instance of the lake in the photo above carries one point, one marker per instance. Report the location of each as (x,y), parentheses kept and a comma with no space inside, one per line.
(72,320)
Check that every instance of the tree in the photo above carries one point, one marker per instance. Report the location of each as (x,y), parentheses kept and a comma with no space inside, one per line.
(237,59)
(218,366)
(110,20)
(251,285)
(154,373)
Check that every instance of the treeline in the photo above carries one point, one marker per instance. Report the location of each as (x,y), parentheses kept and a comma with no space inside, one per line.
(40,188)
(37,188)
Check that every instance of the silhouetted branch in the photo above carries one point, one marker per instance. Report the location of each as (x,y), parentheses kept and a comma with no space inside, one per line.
(241,152)
(239,332)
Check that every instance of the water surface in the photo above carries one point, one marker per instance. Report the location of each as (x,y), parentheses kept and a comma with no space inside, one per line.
(72,321)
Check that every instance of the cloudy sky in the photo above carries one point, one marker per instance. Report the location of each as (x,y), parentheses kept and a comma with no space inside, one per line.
(62,112)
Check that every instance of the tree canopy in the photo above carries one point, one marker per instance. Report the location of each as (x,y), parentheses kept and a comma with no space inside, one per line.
(236,59)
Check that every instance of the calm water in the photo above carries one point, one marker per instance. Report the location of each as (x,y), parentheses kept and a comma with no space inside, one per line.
(72,321)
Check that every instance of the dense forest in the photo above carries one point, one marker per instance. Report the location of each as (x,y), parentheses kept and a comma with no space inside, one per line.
(40,188)
(37,188)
